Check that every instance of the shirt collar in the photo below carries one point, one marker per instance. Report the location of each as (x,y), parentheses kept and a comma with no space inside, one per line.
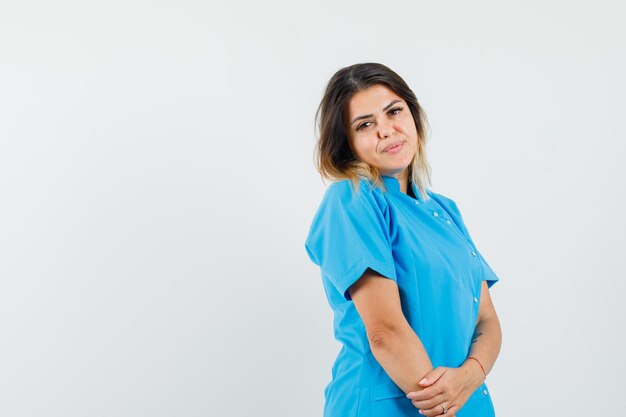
(393,186)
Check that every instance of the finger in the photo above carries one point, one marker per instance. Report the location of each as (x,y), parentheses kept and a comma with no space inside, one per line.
(425,394)
(433,376)
(451,412)
(431,402)
(434,411)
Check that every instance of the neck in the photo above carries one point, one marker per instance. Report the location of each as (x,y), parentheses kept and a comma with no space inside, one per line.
(403,179)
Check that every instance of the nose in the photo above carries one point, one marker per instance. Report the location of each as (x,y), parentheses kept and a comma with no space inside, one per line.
(385,130)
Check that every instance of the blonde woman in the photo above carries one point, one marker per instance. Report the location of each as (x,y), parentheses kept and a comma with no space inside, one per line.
(408,287)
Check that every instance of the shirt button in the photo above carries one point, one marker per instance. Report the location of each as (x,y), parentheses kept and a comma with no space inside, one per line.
(448,221)
(484,392)
(473,253)
(435,214)
(475,299)
(416,202)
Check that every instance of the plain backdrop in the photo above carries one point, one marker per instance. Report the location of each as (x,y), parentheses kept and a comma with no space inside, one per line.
(157,185)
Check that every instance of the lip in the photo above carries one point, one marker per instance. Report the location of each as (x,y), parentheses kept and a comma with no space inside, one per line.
(394,146)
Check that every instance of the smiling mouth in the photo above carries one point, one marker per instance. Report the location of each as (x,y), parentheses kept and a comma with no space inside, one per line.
(394,147)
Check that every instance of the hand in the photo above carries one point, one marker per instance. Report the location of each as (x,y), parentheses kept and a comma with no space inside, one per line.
(448,386)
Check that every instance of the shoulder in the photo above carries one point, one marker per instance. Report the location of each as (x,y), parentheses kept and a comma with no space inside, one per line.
(344,193)
(446,201)
(344,203)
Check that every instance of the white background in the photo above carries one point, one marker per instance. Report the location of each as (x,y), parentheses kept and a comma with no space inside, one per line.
(157,185)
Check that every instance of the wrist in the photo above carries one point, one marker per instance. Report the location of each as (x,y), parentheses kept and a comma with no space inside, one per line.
(474,371)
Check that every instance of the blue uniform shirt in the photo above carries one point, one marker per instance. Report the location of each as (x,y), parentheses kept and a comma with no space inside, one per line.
(421,244)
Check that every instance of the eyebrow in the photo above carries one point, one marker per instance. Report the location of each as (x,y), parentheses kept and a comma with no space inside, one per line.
(365,116)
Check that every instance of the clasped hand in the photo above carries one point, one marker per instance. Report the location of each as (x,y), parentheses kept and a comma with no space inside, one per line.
(446,391)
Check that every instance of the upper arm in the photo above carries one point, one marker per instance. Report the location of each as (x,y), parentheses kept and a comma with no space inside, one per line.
(377,300)
(486,308)
(349,234)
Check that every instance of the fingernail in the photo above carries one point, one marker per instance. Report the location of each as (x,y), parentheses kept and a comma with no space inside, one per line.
(420,411)
(423,381)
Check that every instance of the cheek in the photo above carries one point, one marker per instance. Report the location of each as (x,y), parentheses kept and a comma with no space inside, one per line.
(363,146)
(409,127)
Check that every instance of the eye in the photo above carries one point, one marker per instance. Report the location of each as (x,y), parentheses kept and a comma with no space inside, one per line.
(395,111)
(363,125)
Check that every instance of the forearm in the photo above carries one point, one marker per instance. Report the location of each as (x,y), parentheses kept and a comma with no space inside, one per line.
(486,343)
(458,384)
(402,355)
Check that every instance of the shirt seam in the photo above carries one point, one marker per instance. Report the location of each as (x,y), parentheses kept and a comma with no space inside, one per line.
(365,343)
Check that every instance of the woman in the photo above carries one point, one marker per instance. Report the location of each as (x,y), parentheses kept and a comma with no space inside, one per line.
(408,288)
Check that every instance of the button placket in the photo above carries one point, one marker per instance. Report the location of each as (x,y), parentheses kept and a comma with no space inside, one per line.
(442,217)
(445,218)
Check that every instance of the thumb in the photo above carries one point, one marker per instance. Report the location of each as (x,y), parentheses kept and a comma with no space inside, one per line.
(433,376)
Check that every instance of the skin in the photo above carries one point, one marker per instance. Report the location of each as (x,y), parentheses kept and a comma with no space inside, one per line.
(453,386)
(377,118)
(385,125)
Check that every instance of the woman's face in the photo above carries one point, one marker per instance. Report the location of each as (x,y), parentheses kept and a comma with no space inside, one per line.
(382,130)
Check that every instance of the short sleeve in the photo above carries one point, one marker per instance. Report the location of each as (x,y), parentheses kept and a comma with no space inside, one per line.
(350,233)
(488,274)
